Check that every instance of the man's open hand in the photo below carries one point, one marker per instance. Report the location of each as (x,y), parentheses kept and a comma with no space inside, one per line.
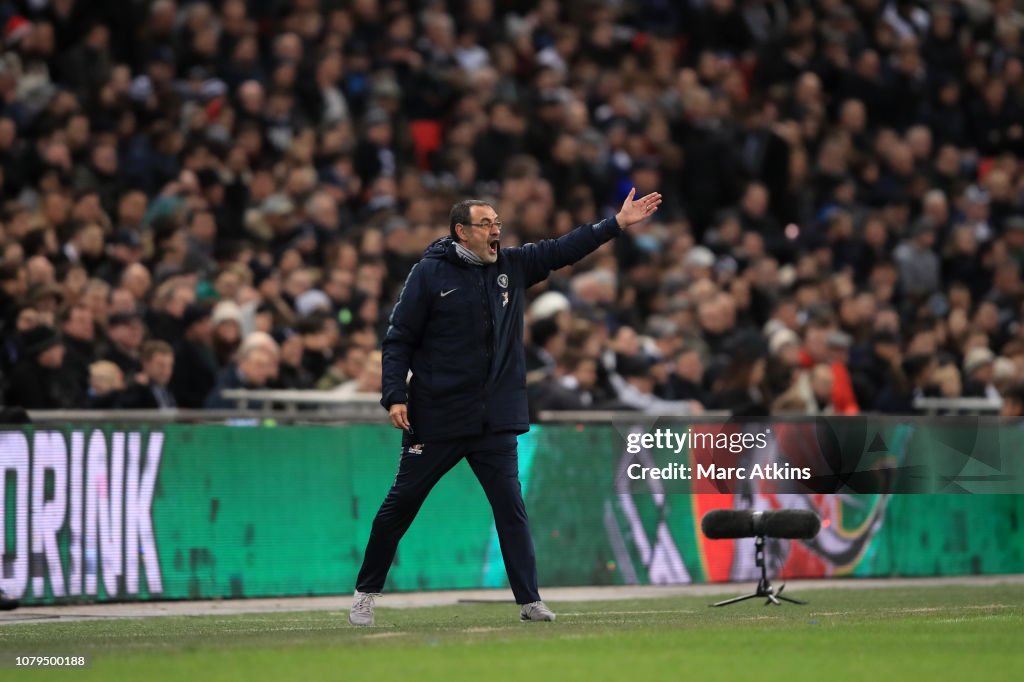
(633,212)
(399,413)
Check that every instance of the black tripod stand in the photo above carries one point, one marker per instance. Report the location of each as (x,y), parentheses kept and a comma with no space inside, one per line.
(764,586)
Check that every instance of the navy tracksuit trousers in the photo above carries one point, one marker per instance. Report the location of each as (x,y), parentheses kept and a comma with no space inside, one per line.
(494,458)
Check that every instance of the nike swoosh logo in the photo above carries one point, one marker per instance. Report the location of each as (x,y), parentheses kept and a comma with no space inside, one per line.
(445,293)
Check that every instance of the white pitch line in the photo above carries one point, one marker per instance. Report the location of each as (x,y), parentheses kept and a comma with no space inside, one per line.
(500,597)
(622,613)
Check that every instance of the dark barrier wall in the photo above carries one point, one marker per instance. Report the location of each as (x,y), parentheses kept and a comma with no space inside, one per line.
(173,512)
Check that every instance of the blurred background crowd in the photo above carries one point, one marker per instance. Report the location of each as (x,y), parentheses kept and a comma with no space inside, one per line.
(225,194)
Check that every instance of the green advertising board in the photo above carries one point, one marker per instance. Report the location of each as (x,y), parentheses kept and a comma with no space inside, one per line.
(112,512)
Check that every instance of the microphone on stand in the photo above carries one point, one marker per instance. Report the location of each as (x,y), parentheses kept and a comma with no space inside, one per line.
(791,524)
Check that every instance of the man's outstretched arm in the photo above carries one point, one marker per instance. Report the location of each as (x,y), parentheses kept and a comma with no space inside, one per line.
(541,258)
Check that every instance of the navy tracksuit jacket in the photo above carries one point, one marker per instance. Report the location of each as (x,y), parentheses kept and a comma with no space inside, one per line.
(459,328)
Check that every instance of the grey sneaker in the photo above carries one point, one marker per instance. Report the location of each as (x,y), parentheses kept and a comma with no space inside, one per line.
(536,611)
(362,608)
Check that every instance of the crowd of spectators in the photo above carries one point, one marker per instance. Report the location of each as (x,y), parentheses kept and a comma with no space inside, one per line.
(223,194)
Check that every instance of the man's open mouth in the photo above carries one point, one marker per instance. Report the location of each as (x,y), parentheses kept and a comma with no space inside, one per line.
(493,247)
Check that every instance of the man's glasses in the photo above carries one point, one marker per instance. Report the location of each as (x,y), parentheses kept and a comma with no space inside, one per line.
(486,224)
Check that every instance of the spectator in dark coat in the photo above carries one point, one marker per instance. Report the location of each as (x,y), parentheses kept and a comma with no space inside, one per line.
(125,333)
(502,139)
(739,388)
(292,374)
(195,366)
(24,318)
(375,155)
(13,286)
(573,391)
(546,344)
(169,304)
(150,389)
(79,333)
(910,383)
(125,248)
(39,380)
(878,370)
(994,121)
(686,382)
(944,115)
(720,28)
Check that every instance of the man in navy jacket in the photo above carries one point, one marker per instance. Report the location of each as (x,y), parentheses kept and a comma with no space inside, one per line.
(458,327)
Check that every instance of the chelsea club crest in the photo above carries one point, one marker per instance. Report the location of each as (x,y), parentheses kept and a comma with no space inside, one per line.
(503,281)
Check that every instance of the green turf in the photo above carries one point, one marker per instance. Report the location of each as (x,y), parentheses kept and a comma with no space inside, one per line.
(952,633)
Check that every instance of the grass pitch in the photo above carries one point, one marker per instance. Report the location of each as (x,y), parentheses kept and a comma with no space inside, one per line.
(922,633)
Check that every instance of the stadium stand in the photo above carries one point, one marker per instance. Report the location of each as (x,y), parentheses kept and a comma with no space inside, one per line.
(250,181)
